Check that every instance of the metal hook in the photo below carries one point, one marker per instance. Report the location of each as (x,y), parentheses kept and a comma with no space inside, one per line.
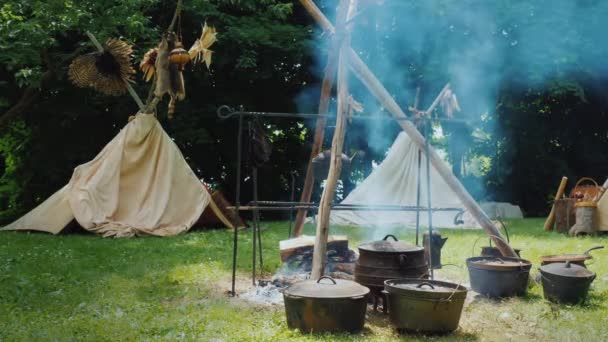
(225,112)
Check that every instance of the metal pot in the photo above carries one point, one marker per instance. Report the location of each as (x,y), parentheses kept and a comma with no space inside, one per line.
(565,282)
(427,306)
(499,277)
(578,259)
(326,305)
(391,254)
(492,251)
(384,259)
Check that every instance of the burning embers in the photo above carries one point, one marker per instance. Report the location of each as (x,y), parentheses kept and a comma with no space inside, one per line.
(296,256)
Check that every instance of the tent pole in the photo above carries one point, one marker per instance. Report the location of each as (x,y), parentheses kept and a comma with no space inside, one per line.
(427,129)
(292,198)
(418,180)
(256,212)
(237,202)
(255,204)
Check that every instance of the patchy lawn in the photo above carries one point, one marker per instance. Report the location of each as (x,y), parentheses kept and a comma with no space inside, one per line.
(82,287)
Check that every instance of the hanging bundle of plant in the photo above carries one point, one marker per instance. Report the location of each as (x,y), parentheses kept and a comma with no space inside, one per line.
(200,49)
(106,71)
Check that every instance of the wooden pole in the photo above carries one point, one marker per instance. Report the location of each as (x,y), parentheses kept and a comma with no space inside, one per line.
(345,11)
(375,87)
(326,86)
(558,195)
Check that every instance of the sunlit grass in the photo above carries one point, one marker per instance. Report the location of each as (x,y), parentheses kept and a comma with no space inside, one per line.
(82,287)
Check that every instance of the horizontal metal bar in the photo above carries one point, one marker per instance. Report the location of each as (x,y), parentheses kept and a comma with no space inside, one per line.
(225,112)
(339,208)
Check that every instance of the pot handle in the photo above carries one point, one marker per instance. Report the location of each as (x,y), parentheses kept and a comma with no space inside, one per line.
(327,277)
(425,283)
(593,248)
(390,235)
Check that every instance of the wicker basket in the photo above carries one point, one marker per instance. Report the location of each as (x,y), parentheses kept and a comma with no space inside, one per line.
(589,192)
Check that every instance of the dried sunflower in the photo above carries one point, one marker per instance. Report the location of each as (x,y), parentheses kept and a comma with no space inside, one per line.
(106,71)
(147,65)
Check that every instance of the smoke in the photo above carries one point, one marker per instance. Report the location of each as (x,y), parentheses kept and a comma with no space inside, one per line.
(477,46)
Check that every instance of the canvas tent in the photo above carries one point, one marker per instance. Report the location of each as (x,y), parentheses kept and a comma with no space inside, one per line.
(139,184)
(602,212)
(394,182)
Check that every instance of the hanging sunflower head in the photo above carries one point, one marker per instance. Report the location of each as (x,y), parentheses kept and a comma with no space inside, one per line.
(106,71)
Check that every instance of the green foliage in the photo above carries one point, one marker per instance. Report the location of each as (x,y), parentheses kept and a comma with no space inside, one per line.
(15,176)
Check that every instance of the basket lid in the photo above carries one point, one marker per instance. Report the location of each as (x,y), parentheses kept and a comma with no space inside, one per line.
(388,246)
(326,287)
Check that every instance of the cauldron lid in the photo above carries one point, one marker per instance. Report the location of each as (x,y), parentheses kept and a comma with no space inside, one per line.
(326,287)
(386,245)
(566,269)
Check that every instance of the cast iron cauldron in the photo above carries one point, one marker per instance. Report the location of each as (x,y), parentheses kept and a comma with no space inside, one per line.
(566,282)
(424,306)
(499,277)
(384,259)
(326,305)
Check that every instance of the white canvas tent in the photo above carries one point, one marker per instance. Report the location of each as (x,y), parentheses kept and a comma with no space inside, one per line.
(602,212)
(139,184)
(394,182)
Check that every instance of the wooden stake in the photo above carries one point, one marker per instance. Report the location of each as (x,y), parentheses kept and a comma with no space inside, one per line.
(319,259)
(560,192)
(375,87)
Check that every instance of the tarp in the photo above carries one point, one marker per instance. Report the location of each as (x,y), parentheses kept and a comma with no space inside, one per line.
(139,184)
(503,210)
(394,182)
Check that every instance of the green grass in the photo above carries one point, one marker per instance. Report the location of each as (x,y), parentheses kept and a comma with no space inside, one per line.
(82,287)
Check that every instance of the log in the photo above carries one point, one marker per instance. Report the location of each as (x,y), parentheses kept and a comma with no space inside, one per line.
(373,84)
(319,258)
(560,192)
(306,243)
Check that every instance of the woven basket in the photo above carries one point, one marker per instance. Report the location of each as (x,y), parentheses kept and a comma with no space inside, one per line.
(589,192)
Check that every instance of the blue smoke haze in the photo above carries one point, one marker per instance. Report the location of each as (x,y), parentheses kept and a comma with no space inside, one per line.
(478,46)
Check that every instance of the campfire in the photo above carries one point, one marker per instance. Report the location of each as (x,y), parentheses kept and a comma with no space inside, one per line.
(296,258)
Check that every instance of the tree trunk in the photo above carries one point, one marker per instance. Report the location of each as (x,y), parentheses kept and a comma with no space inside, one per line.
(28,98)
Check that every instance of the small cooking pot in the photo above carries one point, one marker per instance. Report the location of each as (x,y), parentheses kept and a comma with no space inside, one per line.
(326,305)
(426,306)
(493,251)
(566,282)
(578,259)
(499,277)
(391,254)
